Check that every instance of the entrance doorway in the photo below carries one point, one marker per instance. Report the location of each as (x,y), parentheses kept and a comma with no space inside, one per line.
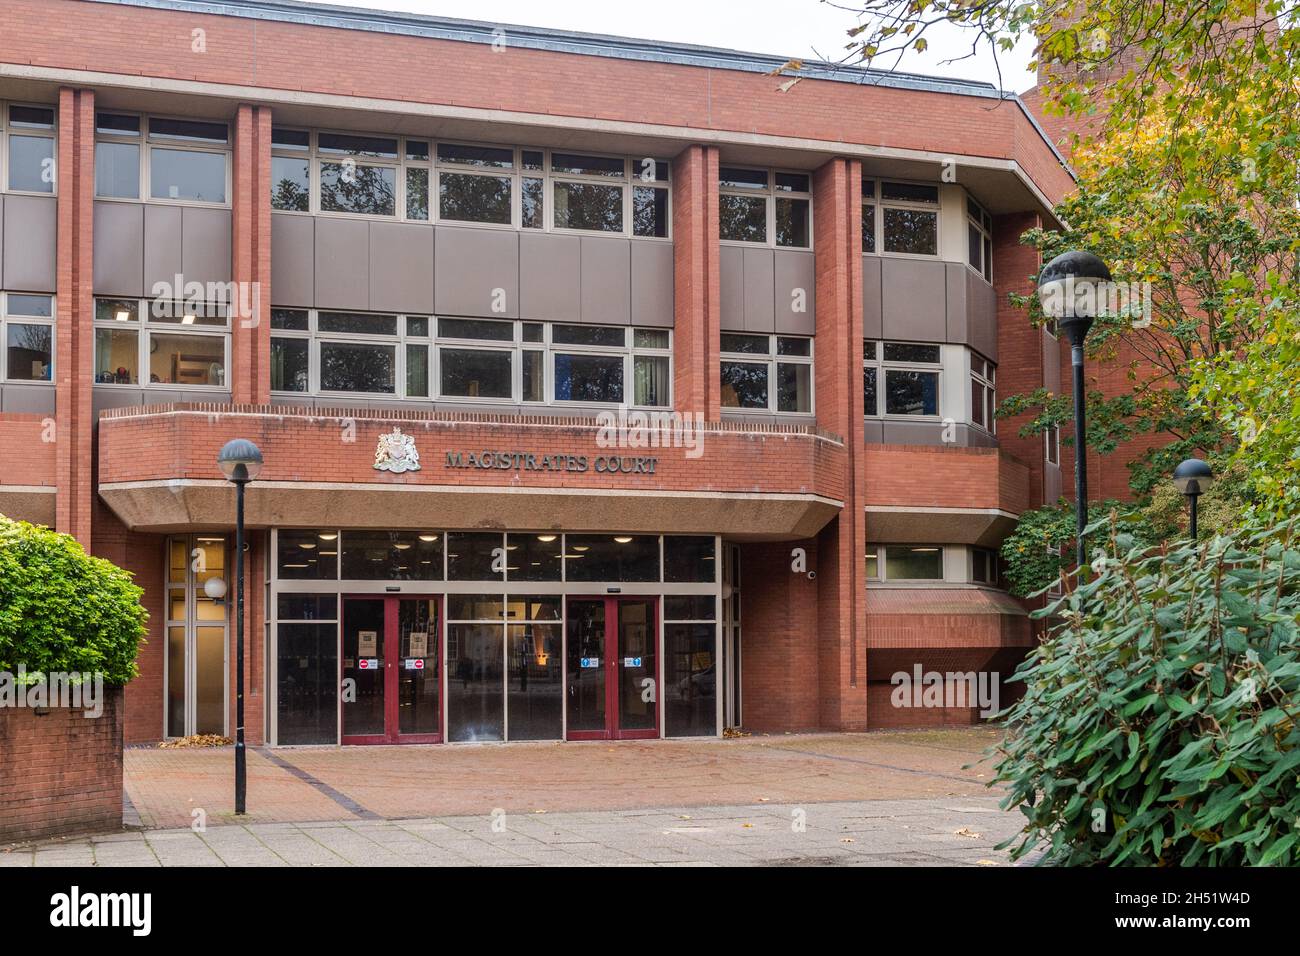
(391,681)
(611,668)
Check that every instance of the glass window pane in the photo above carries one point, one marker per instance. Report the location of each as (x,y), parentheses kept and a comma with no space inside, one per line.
(484,329)
(417,371)
(910,352)
(911,393)
(532,332)
(307,607)
(977,403)
(31,117)
(690,559)
(873,564)
(650,338)
(349,323)
(189,130)
(601,335)
(534,377)
(298,139)
(746,344)
(175,682)
(794,388)
(689,607)
(368,190)
(290,320)
(603,557)
(975,245)
(290,183)
(417,193)
(471,373)
(31,163)
(475,607)
(690,680)
(868,228)
(418,150)
(475,556)
(475,666)
(786,345)
(37,306)
(742,218)
(307,678)
(391,556)
(29,354)
(117,357)
(117,170)
(588,378)
(489,157)
(792,223)
(354,367)
(909,192)
(308,555)
(198,360)
(590,206)
(417,326)
(533,683)
(474,198)
(792,182)
(117,310)
(871,404)
(911,231)
(649,212)
(289,367)
(652,379)
(587,165)
(374,146)
(532,159)
(742,178)
(913,563)
(117,124)
(533,559)
(744,385)
(531,198)
(184,174)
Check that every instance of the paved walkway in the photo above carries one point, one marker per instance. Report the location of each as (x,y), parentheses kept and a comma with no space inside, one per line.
(905,797)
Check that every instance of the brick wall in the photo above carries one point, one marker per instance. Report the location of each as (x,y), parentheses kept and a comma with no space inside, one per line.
(60,773)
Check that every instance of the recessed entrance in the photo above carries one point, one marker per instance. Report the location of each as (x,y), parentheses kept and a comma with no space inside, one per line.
(612,676)
(391,683)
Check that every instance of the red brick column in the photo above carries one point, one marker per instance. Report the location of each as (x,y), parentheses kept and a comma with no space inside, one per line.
(74,335)
(697,294)
(842,596)
(250,259)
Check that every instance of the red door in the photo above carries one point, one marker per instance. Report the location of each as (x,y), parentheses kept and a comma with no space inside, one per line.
(391,683)
(611,668)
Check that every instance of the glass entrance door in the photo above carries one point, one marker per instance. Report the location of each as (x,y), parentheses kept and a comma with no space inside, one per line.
(611,672)
(391,680)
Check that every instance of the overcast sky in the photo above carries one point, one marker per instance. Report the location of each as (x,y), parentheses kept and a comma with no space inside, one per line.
(791,28)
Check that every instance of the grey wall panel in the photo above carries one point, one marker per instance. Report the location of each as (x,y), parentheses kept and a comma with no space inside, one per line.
(957,314)
(205,245)
(914,300)
(476,272)
(760,289)
(982,315)
(115,396)
(293,260)
(873,431)
(795,272)
(1051,362)
(163,233)
(913,433)
(871,323)
(652,284)
(401,267)
(30,249)
(342,264)
(550,277)
(606,281)
(119,248)
(731,277)
(27,399)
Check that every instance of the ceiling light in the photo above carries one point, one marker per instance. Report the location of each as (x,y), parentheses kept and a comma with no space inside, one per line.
(327,536)
(428,537)
(123,316)
(546,538)
(622,539)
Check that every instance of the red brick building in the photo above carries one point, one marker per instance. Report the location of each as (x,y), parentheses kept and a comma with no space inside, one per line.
(604,389)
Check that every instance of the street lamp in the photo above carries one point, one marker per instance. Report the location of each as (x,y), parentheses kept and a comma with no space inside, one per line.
(1192,479)
(240,462)
(1070,289)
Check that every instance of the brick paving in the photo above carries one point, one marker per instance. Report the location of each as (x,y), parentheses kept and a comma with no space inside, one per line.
(890,798)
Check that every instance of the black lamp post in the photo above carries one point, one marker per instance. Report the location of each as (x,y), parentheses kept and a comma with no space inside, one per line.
(1071,289)
(240,462)
(1192,479)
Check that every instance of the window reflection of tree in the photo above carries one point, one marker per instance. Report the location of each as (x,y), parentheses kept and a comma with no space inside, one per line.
(364,189)
(742,218)
(749,382)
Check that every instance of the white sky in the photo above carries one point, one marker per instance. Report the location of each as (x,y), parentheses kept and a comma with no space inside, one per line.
(790,28)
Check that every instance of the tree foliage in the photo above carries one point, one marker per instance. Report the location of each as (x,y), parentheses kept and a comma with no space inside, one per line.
(62,610)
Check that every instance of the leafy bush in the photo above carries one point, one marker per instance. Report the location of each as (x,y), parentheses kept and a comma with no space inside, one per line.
(62,610)
(1042,545)
(1159,724)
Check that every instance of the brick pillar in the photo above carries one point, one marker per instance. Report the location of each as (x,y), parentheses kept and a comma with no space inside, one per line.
(250,258)
(696,282)
(74,335)
(1020,346)
(255,615)
(841,546)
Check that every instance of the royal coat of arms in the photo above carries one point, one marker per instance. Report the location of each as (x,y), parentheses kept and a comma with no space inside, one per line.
(396,452)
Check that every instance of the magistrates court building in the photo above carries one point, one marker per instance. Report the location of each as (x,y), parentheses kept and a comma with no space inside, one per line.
(604,389)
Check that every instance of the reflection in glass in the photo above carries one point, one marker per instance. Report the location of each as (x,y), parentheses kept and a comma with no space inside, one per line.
(417,193)
(307,682)
(475,556)
(585,669)
(532,560)
(117,170)
(367,190)
(363,663)
(289,365)
(475,374)
(603,557)
(637,672)
(475,666)
(187,359)
(588,378)
(305,556)
(175,682)
(911,231)
(189,175)
(793,388)
(690,680)
(29,352)
(744,385)
(689,558)
(353,367)
(418,630)
(792,223)
(31,163)
(911,393)
(474,198)
(391,556)
(290,184)
(534,689)
(742,218)
(591,206)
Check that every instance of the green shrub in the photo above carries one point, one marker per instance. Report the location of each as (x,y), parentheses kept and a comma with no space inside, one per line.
(62,610)
(1159,722)
(1042,544)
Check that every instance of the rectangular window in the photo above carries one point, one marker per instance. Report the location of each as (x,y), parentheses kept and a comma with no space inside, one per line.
(356,188)
(913,563)
(1052,444)
(868,215)
(27,135)
(290,183)
(474,196)
(357,367)
(179,160)
(473,373)
(158,343)
(979,239)
(765,207)
(767,372)
(900,378)
(984,566)
(909,218)
(594,207)
(983,392)
(27,331)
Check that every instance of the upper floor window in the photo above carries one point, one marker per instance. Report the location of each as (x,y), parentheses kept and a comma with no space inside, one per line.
(767,372)
(904,562)
(28,154)
(152,342)
(900,218)
(901,378)
(421,181)
(1052,444)
(457,359)
(983,392)
(979,239)
(765,207)
(27,330)
(167,160)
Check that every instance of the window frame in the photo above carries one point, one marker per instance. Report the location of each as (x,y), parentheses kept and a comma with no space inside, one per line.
(51,323)
(146,141)
(881,204)
(144,326)
(7,130)
(772,359)
(987,382)
(1052,445)
(982,220)
(770,194)
(882,577)
(884,366)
